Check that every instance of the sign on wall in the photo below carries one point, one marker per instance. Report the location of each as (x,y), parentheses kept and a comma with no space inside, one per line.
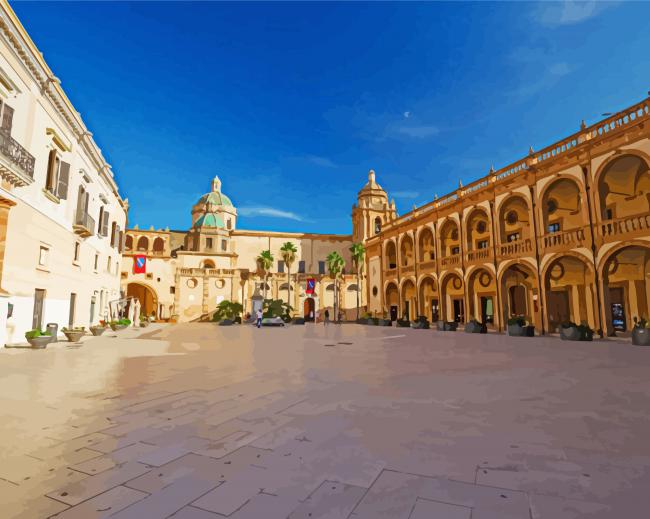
(139,264)
(311,286)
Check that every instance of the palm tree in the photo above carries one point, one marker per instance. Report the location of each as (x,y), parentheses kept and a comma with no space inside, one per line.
(335,265)
(265,261)
(288,253)
(358,251)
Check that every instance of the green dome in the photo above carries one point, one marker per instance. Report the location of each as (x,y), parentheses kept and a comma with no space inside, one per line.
(215,198)
(210,220)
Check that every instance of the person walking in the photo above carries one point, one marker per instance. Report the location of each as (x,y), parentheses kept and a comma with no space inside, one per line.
(259,317)
(327,317)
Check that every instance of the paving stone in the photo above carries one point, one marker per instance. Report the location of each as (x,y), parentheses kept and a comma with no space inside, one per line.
(190,512)
(169,499)
(92,486)
(331,500)
(425,509)
(547,507)
(103,505)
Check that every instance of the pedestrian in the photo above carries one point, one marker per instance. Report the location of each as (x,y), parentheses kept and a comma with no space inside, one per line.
(327,317)
(311,315)
(259,317)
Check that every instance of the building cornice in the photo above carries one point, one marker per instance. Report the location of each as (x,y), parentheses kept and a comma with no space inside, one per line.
(12,30)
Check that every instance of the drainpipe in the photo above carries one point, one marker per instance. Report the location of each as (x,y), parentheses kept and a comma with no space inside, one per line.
(585,172)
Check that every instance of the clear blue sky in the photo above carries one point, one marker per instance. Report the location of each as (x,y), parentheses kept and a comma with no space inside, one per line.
(291,104)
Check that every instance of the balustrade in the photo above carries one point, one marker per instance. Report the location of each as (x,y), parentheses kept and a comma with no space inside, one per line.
(450,261)
(479,255)
(516,249)
(565,240)
(611,230)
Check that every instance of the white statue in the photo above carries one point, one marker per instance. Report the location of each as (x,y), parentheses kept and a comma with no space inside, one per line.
(136,317)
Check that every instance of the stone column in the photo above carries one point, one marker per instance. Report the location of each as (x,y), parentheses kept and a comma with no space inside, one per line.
(5,206)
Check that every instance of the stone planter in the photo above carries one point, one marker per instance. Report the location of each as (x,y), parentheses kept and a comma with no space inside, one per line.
(516,330)
(97,330)
(422,324)
(475,327)
(144,324)
(446,326)
(403,324)
(384,322)
(118,327)
(371,322)
(225,322)
(569,333)
(74,335)
(298,320)
(641,336)
(40,343)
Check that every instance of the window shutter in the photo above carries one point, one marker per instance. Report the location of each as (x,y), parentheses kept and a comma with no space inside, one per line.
(51,164)
(100,220)
(64,176)
(80,203)
(122,240)
(105,224)
(7,118)
(118,236)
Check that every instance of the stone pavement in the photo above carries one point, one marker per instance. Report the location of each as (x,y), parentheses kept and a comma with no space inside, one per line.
(195,421)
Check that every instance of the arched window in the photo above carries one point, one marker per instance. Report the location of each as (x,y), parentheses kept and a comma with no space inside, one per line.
(143,243)
(377,225)
(158,245)
(129,242)
(207,264)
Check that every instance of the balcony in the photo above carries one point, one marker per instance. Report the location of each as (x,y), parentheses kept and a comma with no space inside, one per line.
(16,163)
(560,241)
(84,224)
(450,261)
(407,269)
(515,249)
(628,227)
(479,256)
(391,273)
(428,266)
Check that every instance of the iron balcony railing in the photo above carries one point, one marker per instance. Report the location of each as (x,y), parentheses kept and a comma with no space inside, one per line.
(16,154)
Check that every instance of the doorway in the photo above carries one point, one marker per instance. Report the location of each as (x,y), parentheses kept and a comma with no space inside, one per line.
(406,311)
(617,305)
(459,310)
(37,315)
(393,313)
(518,300)
(309,309)
(487,310)
(435,311)
(558,309)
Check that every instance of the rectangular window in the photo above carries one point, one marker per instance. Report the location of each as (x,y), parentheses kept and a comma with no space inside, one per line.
(172,290)
(609,214)
(281,266)
(73,301)
(513,236)
(301,267)
(96,262)
(58,176)
(108,264)
(43,255)
(321,267)
(208,243)
(455,250)
(483,244)
(224,245)
(77,248)
(554,227)
(6,118)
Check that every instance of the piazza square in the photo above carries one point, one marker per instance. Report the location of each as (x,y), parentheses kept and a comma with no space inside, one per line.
(337,261)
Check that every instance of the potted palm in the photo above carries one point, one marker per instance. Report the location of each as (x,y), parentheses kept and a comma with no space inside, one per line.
(74,334)
(38,339)
(641,332)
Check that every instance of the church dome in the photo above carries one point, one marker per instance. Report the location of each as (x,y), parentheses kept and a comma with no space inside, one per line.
(214,209)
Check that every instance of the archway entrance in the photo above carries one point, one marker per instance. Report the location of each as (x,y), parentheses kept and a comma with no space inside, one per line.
(429,299)
(392,300)
(309,309)
(519,294)
(453,296)
(147,297)
(481,288)
(570,292)
(626,282)
(409,306)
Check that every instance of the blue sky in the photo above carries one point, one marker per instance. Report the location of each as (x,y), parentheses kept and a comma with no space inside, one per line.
(291,104)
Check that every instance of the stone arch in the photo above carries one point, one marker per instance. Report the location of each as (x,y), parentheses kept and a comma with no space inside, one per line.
(625,282)
(406,250)
(408,299)
(207,264)
(482,295)
(449,237)
(147,296)
(391,254)
(519,293)
(478,229)
(426,244)
(623,185)
(569,291)
(128,243)
(143,243)
(391,299)
(519,227)
(429,298)
(562,206)
(452,290)
(377,227)
(158,245)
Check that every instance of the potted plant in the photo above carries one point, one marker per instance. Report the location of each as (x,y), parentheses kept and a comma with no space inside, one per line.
(446,326)
(144,321)
(570,331)
(384,320)
(120,324)
(422,323)
(475,326)
(517,326)
(98,329)
(403,323)
(641,332)
(38,339)
(74,334)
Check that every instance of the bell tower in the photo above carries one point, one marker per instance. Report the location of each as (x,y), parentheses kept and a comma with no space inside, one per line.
(372,210)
